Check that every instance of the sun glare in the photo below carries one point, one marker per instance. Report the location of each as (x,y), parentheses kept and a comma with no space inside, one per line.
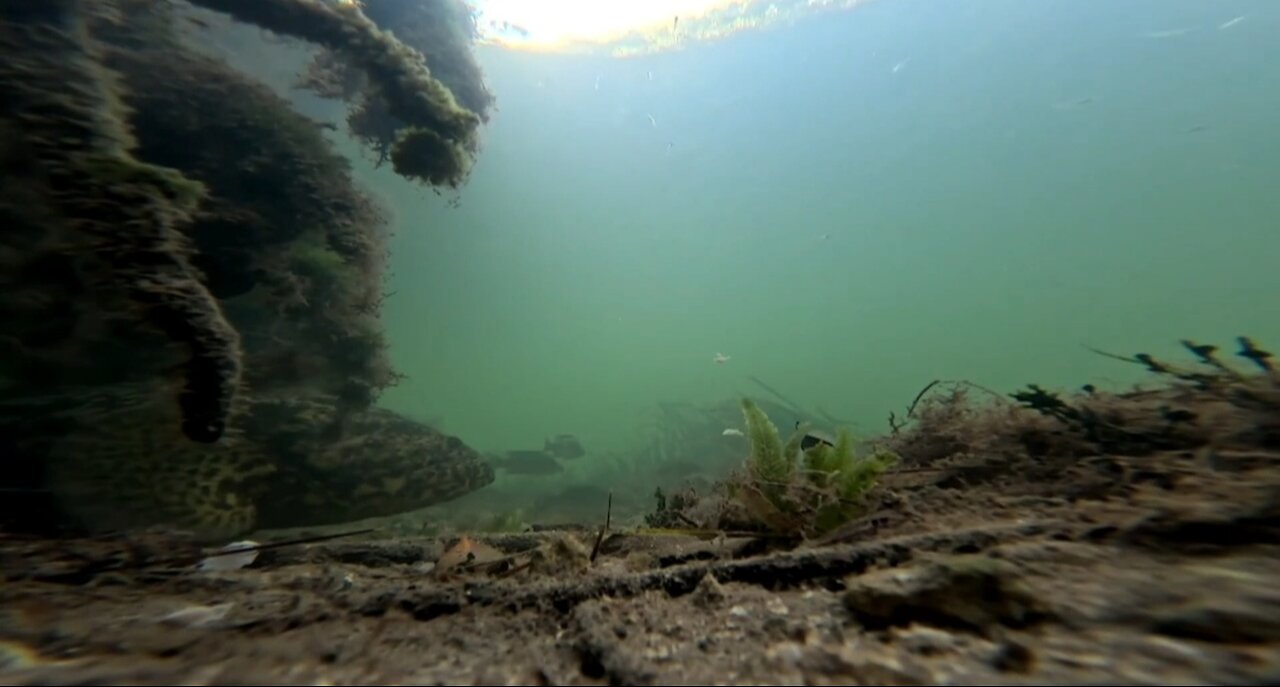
(624,28)
(557,25)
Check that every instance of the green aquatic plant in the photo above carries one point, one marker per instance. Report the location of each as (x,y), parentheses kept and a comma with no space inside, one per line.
(811,490)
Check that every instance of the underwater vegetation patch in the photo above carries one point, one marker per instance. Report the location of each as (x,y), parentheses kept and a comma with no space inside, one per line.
(1213,402)
(803,486)
(1081,444)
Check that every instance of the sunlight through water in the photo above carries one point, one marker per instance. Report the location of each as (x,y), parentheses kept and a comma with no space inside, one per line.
(630,27)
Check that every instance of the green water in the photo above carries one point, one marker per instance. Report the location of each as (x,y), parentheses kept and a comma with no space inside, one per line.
(1032,177)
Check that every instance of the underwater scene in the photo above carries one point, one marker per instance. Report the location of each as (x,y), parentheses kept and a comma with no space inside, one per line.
(639,342)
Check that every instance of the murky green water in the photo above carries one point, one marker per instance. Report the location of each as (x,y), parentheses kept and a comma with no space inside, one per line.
(847,209)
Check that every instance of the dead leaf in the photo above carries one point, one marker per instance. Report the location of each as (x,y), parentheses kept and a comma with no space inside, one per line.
(466,554)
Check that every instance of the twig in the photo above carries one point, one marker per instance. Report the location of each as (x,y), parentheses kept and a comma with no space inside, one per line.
(831,419)
(686,520)
(791,405)
(287,542)
(912,408)
(894,425)
(608,518)
(1127,359)
(903,471)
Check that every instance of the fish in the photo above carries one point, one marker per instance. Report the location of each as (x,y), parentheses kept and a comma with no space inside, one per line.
(564,447)
(720,358)
(526,462)
(815,437)
(732,432)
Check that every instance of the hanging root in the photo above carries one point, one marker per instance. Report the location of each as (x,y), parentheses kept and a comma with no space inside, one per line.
(434,137)
(114,217)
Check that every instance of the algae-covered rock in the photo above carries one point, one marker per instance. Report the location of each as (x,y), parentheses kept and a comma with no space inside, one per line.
(95,264)
(183,250)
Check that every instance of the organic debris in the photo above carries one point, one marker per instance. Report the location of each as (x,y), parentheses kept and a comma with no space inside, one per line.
(1216,404)
(235,556)
(548,553)
(672,512)
(608,520)
(467,555)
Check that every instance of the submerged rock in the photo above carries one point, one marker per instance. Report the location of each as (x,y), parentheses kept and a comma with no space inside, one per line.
(971,592)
